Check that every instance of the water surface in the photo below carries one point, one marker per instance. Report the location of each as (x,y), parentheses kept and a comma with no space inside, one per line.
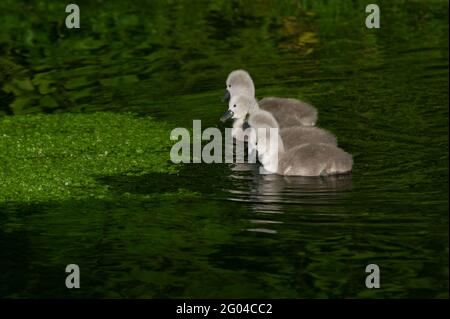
(383,92)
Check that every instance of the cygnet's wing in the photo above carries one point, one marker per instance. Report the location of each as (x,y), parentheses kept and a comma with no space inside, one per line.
(315,160)
(296,136)
(290,112)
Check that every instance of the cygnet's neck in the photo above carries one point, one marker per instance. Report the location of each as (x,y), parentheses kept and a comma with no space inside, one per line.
(270,160)
(253,106)
(281,149)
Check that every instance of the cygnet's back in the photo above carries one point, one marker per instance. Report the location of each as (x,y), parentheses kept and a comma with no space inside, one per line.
(289,112)
(298,135)
(315,160)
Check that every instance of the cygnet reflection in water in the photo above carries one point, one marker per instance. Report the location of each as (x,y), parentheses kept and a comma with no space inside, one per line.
(268,195)
(280,189)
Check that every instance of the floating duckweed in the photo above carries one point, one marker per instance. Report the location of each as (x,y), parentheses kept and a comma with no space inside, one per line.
(55,157)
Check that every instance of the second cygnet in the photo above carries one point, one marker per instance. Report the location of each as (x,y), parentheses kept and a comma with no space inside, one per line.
(288,112)
(243,107)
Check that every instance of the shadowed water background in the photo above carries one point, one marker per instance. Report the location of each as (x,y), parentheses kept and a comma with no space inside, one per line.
(383,92)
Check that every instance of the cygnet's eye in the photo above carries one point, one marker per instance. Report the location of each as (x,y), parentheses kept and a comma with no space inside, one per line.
(229,85)
(234,105)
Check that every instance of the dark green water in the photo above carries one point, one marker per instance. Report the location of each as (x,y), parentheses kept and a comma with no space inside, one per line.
(383,92)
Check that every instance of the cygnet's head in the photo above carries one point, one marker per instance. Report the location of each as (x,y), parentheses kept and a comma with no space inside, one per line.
(239,82)
(238,107)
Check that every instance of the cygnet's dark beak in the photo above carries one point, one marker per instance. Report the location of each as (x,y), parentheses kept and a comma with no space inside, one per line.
(227,115)
(226,96)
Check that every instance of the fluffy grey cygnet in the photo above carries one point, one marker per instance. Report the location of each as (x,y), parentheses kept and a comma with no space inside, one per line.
(310,159)
(288,112)
(256,117)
